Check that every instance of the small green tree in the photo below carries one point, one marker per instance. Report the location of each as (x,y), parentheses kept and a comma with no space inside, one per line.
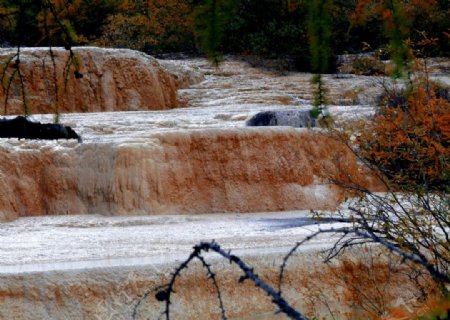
(396,26)
(319,34)
(211,18)
(319,40)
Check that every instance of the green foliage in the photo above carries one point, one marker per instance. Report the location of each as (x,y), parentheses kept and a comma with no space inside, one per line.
(271,29)
(438,310)
(319,34)
(268,28)
(19,28)
(91,15)
(127,31)
(319,42)
(154,26)
(51,18)
(211,18)
(430,18)
(368,66)
(77,22)
(396,27)
(320,99)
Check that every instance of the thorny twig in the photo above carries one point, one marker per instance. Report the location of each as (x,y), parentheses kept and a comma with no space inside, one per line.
(358,235)
(212,276)
(164,295)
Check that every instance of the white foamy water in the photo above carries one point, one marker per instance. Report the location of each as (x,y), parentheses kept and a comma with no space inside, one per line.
(225,99)
(77,242)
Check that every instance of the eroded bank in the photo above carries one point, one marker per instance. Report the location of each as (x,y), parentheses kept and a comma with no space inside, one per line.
(198,171)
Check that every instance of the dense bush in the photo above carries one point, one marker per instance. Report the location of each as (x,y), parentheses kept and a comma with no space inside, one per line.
(23,22)
(267,28)
(153,26)
(368,66)
(271,29)
(409,140)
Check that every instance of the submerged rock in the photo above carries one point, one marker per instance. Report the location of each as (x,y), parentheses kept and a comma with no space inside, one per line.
(293,118)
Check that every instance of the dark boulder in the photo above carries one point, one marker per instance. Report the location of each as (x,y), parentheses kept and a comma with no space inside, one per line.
(22,128)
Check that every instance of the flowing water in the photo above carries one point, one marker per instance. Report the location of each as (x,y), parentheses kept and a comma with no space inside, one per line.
(226,97)
(223,99)
(54,254)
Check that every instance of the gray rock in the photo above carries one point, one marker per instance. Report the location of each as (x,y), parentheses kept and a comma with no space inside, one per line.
(294,118)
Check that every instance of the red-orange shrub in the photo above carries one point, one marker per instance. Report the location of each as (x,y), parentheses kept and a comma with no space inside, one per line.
(367,284)
(410,144)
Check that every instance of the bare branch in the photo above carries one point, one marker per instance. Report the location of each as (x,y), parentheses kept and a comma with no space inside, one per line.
(249,274)
(212,276)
